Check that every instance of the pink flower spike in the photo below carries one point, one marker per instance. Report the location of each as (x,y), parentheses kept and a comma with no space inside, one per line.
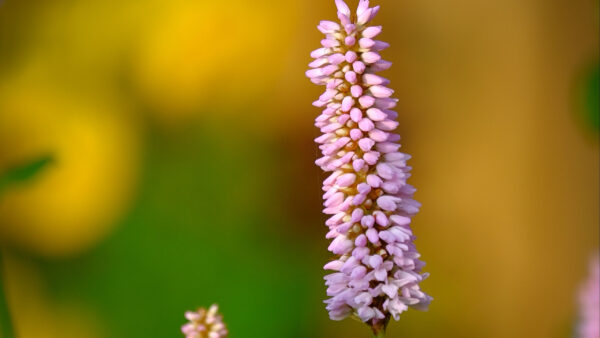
(376,267)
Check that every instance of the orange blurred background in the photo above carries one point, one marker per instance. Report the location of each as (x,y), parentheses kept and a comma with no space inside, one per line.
(181,164)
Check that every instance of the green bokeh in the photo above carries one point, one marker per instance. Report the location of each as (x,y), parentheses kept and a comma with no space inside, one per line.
(592,98)
(24,172)
(201,232)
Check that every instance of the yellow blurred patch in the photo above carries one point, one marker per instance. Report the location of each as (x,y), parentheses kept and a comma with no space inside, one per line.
(77,199)
(34,314)
(197,55)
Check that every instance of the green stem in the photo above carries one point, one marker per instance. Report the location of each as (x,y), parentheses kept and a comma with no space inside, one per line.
(5,322)
(380,334)
(379,328)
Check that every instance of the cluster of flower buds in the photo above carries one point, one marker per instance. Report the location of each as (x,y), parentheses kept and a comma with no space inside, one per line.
(204,324)
(376,269)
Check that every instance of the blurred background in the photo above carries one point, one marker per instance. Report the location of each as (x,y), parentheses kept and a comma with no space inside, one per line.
(157,156)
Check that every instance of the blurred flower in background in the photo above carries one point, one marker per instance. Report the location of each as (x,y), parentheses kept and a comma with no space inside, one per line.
(76,201)
(180,151)
(589,303)
(204,323)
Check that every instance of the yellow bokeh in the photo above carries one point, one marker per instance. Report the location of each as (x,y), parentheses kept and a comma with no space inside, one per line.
(78,198)
(35,315)
(198,55)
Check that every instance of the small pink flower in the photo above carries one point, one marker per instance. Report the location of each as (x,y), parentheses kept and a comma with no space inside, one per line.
(589,303)
(377,270)
(204,324)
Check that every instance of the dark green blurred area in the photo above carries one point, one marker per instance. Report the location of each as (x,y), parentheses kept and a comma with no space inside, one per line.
(592,97)
(203,230)
(23,173)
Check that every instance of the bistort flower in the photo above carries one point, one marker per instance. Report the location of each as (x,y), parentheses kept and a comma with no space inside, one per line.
(204,324)
(589,303)
(377,270)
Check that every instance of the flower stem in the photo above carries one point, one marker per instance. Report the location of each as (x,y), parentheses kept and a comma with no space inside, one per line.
(6,328)
(379,328)
(380,334)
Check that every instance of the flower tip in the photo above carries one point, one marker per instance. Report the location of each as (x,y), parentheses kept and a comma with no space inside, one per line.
(342,7)
(374,11)
(363,5)
(365,17)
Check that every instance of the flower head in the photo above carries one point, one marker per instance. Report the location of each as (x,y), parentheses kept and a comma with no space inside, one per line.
(204,324)
(589,303)
(376,266)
